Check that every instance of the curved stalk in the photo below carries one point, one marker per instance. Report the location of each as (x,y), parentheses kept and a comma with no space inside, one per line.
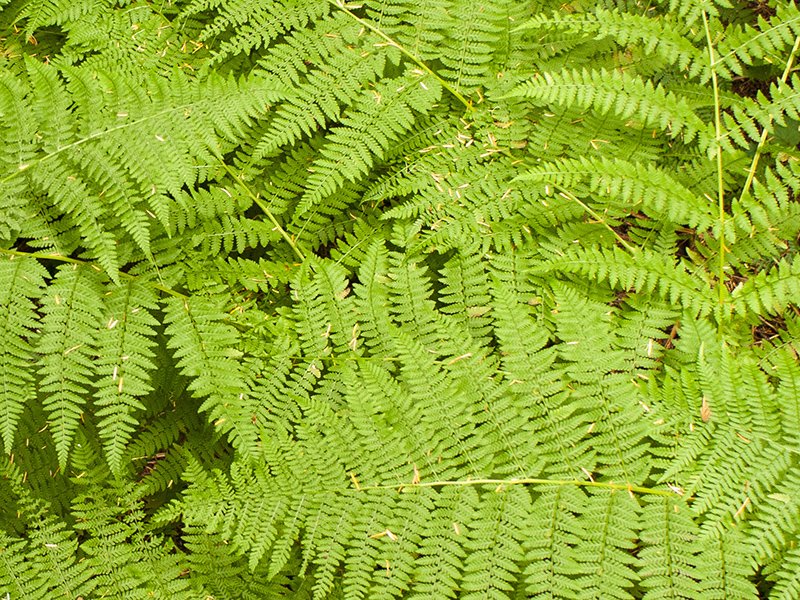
(260,203)
(522,481)
(76,261)
(410,55)
(720,188)
(751,173)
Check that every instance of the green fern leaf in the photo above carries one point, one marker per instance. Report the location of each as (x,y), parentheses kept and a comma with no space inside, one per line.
(723,565)
(73,309)
(18,575)
(204,347)
(379,118)
(668,559)
(496,544)
(610,524)
(21,281)
(646,273)
(125,349)
(629,187)
(555,531)
(624,95)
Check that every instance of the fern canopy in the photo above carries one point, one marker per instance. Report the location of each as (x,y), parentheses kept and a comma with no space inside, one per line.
(427,300)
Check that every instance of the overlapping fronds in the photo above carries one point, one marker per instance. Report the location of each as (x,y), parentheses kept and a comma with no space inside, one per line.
(431,300)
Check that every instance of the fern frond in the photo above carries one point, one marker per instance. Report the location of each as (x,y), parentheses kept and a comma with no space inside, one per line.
(777,520)
(328,59)
(610,525)
(205,350)
(765,40)
(42,13)
(45,81)
(323,317)
(451,412)
(550,548)
(784,361)
(441,562)
(73,196)
(129,42)
(769,291)
(557,427)
(621,94)
(52,557)
(367,544)
(616,415)
(753,115)
(787,581)
(372,299)
(73,312)
(17,574)
(378,118)
(21,282)
(466,51)
(125,349)
(411,289)
(668,559)
(657,35)
(641,327)
(629,187)
(723,567)
(496,544)
(644,272)
(107,550)
(254,27)
(333,525)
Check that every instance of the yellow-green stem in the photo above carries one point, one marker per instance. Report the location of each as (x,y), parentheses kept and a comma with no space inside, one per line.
(526,481)
(343,7)
(569,196)
(76,261)
(260,203)
(752,172)
(720,184)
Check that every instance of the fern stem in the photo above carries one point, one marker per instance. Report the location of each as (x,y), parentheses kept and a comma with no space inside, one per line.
(77,261)
(88,138)
(751,173)
(341,6)
(569,196)
(531,481)
(720,188)
(264,208)
(352,357)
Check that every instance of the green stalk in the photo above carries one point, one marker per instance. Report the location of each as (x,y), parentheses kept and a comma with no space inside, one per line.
(720,184)
(343,7)
(523,481)
(570,196)
(76,261)
(260,203)
(751,173)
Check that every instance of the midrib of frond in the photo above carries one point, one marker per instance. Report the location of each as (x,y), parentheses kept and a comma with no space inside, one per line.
(609,413)
(419,26)
(66,328)
(12,569)
(5,327)
(672,572)
(465,45)
(200,343)
(56,563)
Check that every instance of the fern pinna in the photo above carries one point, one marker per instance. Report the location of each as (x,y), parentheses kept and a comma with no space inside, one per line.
(437,299)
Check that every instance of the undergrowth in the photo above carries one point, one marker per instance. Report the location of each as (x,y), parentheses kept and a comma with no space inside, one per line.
(430,299)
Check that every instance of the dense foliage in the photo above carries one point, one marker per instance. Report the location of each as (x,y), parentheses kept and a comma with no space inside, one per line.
(409,298)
